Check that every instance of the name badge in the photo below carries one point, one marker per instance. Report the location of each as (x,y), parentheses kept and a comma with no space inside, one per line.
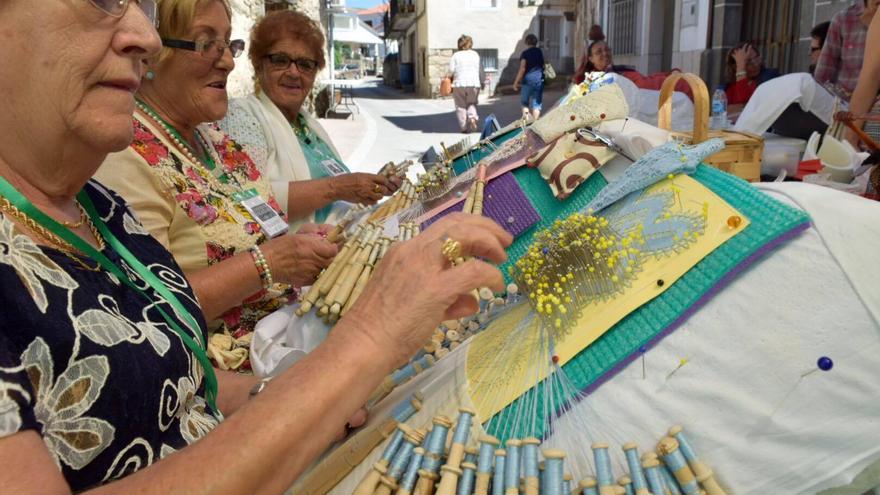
(268,219)
(333,167)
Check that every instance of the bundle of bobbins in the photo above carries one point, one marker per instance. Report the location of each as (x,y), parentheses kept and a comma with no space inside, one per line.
(401,200)
(341,283)
(462,460)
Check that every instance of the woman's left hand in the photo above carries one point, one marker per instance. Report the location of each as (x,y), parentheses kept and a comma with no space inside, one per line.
(361,187)
(320,229)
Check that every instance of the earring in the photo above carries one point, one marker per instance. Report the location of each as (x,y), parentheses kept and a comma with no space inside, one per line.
(150,75)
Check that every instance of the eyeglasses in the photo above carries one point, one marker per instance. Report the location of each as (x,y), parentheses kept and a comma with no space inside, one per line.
(209,48)
(117,8)
(281,61)
(814,49)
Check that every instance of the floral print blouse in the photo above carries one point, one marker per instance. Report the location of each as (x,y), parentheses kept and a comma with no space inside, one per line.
(191,210)
(90,364)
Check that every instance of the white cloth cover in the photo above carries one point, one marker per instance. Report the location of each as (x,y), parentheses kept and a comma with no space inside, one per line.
(771,98)
(283,338)
(752,416)
(644,105)
(259,126)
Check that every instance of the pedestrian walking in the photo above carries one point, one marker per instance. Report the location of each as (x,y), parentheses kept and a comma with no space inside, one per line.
(531,78)
(464,69)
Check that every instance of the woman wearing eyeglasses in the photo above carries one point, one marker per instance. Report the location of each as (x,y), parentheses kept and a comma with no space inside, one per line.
(289,146)
(745,71)
(104,380)
(200,194)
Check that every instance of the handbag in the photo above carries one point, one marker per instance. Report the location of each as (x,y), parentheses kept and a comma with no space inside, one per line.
(446,86)
(549,71)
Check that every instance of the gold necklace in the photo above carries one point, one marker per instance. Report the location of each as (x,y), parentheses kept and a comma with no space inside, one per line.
(82,218)
(49,236)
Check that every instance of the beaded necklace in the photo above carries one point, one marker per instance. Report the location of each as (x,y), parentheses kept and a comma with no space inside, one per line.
(209,163)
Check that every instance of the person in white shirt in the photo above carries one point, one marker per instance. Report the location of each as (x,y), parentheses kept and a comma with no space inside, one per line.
(464,69)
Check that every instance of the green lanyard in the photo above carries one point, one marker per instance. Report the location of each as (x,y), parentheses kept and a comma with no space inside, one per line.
(197,348)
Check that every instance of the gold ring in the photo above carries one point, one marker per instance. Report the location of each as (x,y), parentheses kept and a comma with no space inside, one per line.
(377,188)
(451,249)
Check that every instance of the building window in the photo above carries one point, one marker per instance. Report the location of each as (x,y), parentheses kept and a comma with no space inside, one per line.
(488,58)
(483,4)
(623,26)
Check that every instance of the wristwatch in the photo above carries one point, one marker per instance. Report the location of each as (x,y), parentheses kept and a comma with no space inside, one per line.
(259,386)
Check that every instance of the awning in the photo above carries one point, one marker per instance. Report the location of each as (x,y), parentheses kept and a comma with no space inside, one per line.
(360,35)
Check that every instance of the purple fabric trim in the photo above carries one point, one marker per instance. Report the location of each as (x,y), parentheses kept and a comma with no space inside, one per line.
(503,199)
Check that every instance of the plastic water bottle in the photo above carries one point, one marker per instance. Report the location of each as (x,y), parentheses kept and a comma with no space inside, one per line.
(719,109)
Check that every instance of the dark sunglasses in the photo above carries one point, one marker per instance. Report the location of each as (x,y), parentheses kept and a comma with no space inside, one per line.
(281,61)
(117,8)
(208,48)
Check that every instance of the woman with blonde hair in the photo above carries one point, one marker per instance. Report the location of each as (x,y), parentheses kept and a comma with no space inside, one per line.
(464,69)
(199,193)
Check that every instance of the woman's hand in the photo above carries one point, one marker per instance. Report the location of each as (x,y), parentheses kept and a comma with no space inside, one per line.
(516,86)
(415,287)
(361,187)
(741,57)
(297,259)
(319,229)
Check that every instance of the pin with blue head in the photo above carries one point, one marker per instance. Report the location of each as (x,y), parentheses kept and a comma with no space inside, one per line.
(554,471)
(511,467)
(499,473)
(704,474)
(587,486)
(466,483)
(604,476)
(677,464)
(639,483)
(651,467)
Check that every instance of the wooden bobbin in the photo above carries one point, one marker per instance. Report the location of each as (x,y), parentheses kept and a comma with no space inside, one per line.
(704,474)
(448,480)
(683,474)
(425,485)
(588,483)
(531,484)
(368,485)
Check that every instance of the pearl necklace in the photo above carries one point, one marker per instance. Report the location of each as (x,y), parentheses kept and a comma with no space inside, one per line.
(187,150)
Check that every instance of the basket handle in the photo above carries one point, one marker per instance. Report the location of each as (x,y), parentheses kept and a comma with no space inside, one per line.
(701,104)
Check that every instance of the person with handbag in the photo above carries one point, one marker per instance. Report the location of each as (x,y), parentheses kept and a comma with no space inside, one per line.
(530,78)
(464,70)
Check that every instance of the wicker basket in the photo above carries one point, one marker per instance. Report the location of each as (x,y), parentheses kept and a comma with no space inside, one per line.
(742,155)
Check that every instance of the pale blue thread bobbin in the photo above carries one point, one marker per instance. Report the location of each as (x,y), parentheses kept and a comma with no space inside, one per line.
(394,443)
(436,444)
(511,467)
(604,476)
(639,483)
(566,484)
(450,472)
(484,464)
(627,485)
(674,459)
(530,457)
(498,475)
(587,486)
(470,455)
(652,474)
(402,457)
(408,481)
(701,471)
(669,481)
(466,483)
(407,408)
(463,427)
(554,461)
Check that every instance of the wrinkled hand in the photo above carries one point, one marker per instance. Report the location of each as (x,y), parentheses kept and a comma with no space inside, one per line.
(355,421)
(361,187)
(297,259)
(415,287)
(741,57)
(320,229)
